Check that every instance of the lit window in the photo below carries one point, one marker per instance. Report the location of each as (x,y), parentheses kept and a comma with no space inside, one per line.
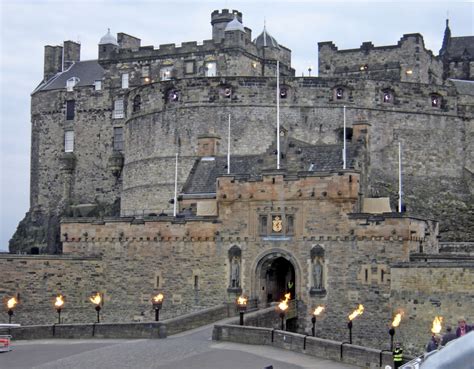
(435,101)
(339,93)
(388,97)
(137,102)
(69,141)
(363,68)
(71,82)
(189,67)
(118,139)
(98,85)
(118,109)
(173,95)
(283,92)
(70,109)
(211,69)
(227,92)
(125,80)
(166,73)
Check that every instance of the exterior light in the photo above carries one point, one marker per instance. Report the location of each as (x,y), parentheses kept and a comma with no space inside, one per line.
(316,312)
(409,72)
(58,304)
(11,303)
(395,323)
(97,300)
(242,305)
(283,306)
(157,302)
(352,316)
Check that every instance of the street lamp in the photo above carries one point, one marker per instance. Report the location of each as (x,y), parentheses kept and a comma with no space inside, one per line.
(242,305)
(11,303)
(283,306)
(157,303)
(316,312)
(97,300)
(58,304)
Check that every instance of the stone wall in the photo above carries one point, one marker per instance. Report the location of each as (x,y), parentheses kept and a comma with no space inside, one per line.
(425,289)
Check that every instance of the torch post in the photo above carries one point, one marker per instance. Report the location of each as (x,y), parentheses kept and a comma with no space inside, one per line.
(349,326)
(157,304)
(242,306)
(97,308)
(282,317)
(391,332)
(59,315)
(10,314)
(313,321)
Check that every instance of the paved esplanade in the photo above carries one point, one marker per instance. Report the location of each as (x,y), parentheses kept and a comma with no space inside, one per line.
(189,350)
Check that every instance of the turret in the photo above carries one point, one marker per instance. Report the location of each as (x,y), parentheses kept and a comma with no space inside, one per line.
(219,22)
(108,46)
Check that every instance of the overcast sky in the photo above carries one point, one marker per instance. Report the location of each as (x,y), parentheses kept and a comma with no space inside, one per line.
(26,26)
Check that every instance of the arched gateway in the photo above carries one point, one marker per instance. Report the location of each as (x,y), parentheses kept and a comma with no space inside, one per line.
(276,273)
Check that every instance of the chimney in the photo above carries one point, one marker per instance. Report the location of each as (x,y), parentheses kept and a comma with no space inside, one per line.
(360,130)
(128,42)
(53,61)
(208,145)
(72,53)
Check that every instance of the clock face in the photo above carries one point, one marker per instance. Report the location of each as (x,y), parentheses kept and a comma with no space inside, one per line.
(277,224)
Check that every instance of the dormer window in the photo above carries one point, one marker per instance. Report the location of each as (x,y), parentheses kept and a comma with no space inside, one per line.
(98,85)
(435,101)
(339,93)
(71,82)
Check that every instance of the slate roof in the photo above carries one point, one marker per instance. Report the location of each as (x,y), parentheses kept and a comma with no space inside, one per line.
(457,46)
(298,157)
(463,87)
(87,71)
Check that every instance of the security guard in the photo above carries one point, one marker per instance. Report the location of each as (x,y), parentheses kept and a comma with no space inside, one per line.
(398,355)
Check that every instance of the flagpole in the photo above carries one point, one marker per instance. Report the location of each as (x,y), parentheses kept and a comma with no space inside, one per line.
(344,141)
(175,187)
(399,177)
(228,149)
(278,114)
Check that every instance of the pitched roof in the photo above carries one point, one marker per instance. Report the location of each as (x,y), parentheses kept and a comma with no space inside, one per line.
(463,87)
(458,45)
(298,156)
(87,71)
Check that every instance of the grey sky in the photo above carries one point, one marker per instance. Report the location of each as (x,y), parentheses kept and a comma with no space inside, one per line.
(26,26)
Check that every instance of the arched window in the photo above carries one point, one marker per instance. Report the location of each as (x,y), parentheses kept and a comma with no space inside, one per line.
(340,93)
(137,102)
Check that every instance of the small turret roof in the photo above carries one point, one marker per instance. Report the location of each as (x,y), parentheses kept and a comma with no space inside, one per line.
(108,39)
(234,25)
(266,40)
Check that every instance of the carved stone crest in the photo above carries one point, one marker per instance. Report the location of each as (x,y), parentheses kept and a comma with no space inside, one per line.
(277,224)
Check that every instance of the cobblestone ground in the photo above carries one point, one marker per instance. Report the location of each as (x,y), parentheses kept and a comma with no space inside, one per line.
(189,350)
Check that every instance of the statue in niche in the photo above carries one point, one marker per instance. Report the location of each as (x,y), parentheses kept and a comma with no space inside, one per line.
(235,272)
(317,274)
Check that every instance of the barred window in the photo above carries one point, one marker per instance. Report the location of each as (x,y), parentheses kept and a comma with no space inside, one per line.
(118,109)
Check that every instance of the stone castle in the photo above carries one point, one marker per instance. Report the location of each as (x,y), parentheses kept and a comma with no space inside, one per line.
(104,214)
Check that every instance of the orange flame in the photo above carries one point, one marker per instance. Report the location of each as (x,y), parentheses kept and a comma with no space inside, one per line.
(396,320)
(12,302)
(242,300)
(158,298)
(318,310)
(97,299)
(59,301)
(284,304)
(357,312)
(436,328)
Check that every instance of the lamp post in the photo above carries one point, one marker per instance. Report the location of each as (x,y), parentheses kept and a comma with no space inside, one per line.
(352,316)
(242,305)
(316,312)
(11,303)
(283,306)
(157,304)
(97,300)
(58,304)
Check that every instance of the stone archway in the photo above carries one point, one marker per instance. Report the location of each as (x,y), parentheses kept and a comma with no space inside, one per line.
(276,273)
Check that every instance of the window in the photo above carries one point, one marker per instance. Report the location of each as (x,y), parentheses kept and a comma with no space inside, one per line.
(70,109)
(146,71)
(196,282)
(339,93)
(69,141)
(166,73)
(118,109)
(283,92)
(98,85)
(189,67)
(290,224)
(137,102)
(125,80)
(118,139)
(435,101)
(173,95)
(71,82)
(211,69)
(263,224)
(387,97)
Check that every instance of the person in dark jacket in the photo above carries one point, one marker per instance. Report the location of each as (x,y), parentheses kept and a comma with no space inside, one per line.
(463,328)
(448,336)
(433,344)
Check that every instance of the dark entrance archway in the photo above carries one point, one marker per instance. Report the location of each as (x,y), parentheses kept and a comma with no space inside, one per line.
(277,278)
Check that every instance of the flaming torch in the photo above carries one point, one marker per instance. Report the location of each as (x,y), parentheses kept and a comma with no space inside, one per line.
(283,306)
(395,323)
(352,316)
(157,303)
(97,300)
(316,312)
(242,305)
(58,304)
(11,303)
(436,327)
